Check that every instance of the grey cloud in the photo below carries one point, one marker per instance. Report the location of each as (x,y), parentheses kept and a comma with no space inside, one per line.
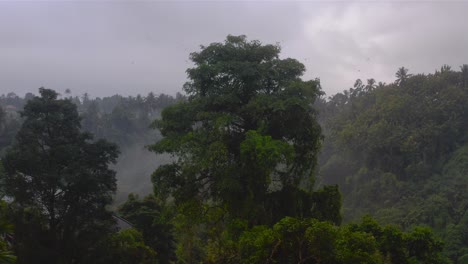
(365,40)
(135,47)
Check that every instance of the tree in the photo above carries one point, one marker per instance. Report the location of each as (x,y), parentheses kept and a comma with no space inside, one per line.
(148,216)
(247,130)
(371,84)
(445,68)
(402,75)
(126,247)
(60,183)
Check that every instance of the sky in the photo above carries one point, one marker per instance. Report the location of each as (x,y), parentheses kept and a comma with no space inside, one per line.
(136,47)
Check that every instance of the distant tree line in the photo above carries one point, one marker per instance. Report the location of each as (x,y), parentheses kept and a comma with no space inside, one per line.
(119,119)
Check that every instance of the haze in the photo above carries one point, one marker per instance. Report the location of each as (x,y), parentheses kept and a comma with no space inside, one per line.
(104,48)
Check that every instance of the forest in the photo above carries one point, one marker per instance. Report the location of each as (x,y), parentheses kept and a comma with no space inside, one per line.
(248,164)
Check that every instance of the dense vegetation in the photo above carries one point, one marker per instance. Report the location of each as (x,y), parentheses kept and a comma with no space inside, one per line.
(254,165)
(121,120)
(399,151)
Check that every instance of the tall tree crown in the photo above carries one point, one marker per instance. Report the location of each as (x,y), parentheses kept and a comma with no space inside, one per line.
(248,128)
(57,172)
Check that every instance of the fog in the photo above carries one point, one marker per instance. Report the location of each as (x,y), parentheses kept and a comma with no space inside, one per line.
(134,168)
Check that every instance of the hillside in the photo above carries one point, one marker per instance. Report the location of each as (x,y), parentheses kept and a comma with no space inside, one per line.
(399,151)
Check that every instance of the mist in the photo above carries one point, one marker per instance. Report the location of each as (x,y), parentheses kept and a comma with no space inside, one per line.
(134,168)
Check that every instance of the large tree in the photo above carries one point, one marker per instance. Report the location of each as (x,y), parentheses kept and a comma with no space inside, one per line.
(247,137)
(60,183)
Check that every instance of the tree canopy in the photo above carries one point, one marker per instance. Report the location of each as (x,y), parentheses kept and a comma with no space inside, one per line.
(59,181)
(399,152)
(247,130)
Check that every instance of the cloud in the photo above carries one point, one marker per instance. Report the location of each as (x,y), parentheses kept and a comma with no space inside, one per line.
(135,47)
(371,40)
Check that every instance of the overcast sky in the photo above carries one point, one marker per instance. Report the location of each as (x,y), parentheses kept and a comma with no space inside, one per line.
(131,47)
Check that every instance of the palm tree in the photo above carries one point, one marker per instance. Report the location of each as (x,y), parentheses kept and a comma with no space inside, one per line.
(370,85)
(402,75)
(445,68)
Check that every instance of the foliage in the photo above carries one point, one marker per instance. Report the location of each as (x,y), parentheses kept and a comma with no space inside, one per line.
(122,120)
(294,240)
(246,132)
(150,217)
(6,230)
(60,183)
(127,247)
(398,151)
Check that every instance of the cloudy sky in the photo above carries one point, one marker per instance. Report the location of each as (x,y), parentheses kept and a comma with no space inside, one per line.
(131,47)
